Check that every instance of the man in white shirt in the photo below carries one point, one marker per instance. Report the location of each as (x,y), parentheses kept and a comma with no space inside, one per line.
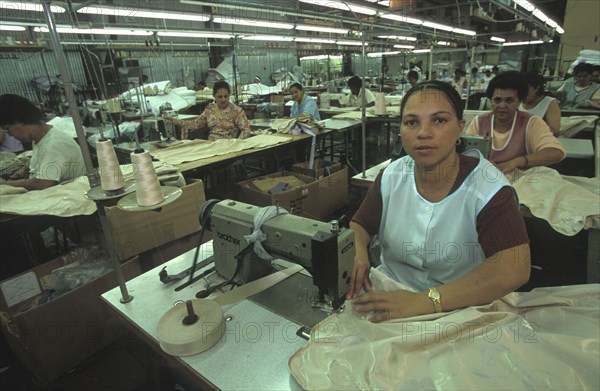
(354,99)
(56,156)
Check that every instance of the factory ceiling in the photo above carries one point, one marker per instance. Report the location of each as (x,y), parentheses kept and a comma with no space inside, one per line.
(324,24)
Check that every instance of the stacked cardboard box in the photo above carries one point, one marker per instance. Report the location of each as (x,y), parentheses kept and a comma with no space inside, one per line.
(51,338)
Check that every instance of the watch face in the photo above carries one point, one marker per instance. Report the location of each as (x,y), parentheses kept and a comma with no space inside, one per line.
(434,294)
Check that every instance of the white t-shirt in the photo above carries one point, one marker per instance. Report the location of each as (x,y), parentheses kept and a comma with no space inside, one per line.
(356,101)
(539,109)
(56,157)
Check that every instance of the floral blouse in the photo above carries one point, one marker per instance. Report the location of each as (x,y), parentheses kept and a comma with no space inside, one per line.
(225,124)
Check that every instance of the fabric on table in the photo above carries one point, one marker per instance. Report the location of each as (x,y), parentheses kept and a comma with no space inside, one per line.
(391,111)
(569,204)
(63,200)
(188,151)
(570,126)
(10,190)
(547,338)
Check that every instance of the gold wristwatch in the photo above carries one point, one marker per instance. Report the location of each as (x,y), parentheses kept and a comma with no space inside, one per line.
(435,297)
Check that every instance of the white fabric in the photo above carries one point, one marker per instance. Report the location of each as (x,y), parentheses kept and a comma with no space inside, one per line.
(56,157)
(65,124)
(258,236)
(539,109)
(61,200)
(356,100)
(568,204)
(544,339)
(260,89)
(190,150)
(570,126)
(423,243)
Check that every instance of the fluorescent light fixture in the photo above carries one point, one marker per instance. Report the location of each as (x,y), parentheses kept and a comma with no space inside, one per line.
(443,43)
(403,19)
(268,38)
(540,15)
(421,50)
(379,54)
(497,39)
(321,57)
(404,46)
(250,22)
(343,6)
(522,43)
(315,40)
(5,27)
(463,31)
(438,26)
(525,4)
(351,43)
(399,37)
(72,30)
(18,6)
(321,29)
(132,12)
(193,34)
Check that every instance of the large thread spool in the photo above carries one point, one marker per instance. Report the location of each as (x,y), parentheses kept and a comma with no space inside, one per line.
(111,177)
(380,108)
(148,192)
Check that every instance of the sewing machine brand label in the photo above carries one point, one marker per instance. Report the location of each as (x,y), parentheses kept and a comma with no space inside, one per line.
(228,238)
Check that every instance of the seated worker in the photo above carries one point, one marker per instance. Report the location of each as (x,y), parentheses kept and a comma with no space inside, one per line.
(448,223)
(56,157)
(223,118)
(201,86)
(354,99)
(581,91)
(538,103)
(303,103)
(459,82)
(596,74)
(520,140)
(413,78)
(8,143)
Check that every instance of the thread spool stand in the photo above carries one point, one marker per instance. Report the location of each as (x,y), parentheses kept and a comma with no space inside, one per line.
(101,198)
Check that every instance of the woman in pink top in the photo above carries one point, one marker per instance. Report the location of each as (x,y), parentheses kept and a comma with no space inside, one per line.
(520,140)
(223,118)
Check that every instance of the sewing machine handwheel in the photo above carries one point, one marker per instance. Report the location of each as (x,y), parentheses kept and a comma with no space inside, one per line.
(205,212)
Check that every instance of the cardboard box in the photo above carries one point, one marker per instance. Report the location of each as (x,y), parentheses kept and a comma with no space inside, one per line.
(56,336)
(135,232)
(315,198)
(320,168)
(276,98)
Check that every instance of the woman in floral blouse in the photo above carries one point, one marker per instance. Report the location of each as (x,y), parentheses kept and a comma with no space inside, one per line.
(223,118)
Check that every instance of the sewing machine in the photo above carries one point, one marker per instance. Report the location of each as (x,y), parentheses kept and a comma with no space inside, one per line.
(324,249)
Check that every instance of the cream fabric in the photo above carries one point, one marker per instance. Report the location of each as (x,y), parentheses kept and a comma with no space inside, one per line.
(61,200)
(569,204)
(189,151)
(570,126)
(391,111)
(547,338)
(10,190)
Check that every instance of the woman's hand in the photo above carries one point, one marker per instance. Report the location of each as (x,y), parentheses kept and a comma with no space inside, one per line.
(391,305)
(511,165)
(360,277)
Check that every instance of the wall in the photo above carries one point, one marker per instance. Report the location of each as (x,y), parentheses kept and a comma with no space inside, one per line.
(582,30)
(19,67)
